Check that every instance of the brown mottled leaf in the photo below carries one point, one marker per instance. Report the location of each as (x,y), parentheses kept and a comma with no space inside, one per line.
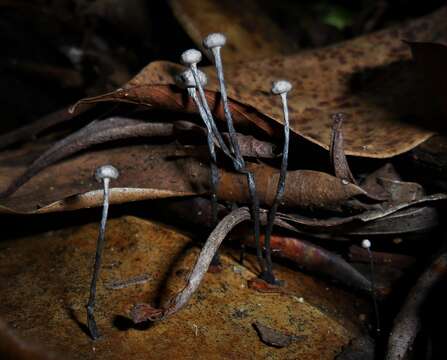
(386,183)
(251,32)
(369,78)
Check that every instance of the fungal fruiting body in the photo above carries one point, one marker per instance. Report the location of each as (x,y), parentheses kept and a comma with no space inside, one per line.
(281,88)
(103,175)
(366,244)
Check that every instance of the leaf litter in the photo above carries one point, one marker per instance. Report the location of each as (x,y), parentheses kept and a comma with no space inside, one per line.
(398,195)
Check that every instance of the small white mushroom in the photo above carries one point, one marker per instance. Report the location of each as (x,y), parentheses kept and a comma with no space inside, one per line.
(103,174)
(366,244)
(281,86)
(191,57)
(106,172)
(214,40)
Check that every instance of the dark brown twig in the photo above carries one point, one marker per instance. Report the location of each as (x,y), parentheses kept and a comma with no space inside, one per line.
(317,259)
(407,322)
(29,131)
(143,312)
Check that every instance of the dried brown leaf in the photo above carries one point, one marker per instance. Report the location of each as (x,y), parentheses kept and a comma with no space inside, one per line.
(337,150)
(251,32)
(367,78)
(167,171)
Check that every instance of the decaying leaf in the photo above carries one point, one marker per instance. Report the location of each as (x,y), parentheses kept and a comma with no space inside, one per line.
(118,128)
(337,150)
(253,35)
(368,78)
(149,172)
(430,218)
(372,182)
(196,212)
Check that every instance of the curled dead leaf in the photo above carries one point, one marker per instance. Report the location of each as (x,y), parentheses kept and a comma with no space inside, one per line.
(169,171)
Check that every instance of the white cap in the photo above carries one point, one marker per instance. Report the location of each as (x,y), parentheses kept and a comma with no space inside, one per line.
(191,56)
(106,172)
(214,40)
(366,244)
(281,86)
(186,79)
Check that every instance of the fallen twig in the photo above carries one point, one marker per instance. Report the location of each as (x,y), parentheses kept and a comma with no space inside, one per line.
(407,322)
(29,131)
(143,312)
(316,259)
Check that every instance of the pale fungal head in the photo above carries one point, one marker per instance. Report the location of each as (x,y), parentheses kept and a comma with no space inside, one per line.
(214,40)
(366,244)
(191,57)
(281,86)
(106,172)
(186,79)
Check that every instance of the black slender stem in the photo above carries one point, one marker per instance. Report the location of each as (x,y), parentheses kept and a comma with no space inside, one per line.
(269,276)
(240,163)
(373,291)
(91,323)
(208,118)
(223,91)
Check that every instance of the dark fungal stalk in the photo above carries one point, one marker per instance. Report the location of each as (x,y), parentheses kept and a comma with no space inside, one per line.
(366,244)
(103,174)
(191,58)
(281,88)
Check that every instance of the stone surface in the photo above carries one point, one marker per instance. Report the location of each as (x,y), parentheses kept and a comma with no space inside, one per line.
(44,283)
